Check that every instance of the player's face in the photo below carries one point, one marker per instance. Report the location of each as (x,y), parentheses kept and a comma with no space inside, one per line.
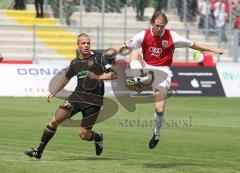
(84,45)
(158,26)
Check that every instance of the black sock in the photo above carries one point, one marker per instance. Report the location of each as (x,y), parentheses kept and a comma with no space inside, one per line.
(47,135)
(92,137)
(97,137)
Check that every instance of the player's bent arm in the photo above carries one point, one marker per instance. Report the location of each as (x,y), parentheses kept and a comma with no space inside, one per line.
(105,76)
(63,82)
(108,76)
(202,47)
(115,51)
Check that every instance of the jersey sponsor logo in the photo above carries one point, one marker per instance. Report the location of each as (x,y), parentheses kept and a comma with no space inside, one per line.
(82,74)
(155,51)
(164,43)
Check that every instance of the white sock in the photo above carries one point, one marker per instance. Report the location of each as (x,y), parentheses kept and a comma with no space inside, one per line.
(158,123)
(135,64)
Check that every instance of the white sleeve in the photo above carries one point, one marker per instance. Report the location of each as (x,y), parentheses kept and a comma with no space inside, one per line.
(216,13)
(179,41)
(136,41)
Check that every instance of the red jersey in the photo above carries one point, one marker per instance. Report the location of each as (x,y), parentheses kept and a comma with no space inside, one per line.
(237,23)
(158,50)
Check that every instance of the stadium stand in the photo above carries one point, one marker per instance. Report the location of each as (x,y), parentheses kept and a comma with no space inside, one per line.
(58,41)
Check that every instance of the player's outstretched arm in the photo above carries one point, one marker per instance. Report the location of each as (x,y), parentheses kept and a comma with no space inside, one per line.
(202,47)
(63,82)
(1,57)
(115,51)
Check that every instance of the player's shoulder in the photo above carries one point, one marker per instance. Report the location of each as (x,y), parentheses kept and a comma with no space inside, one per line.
(141,34)
(97,53)
(173,34)
(73,61)
(170,31)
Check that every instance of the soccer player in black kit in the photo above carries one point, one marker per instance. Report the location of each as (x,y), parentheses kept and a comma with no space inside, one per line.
(91,69)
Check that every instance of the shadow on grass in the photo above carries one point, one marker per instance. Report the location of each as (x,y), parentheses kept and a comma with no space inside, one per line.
(168,165)
(89,158)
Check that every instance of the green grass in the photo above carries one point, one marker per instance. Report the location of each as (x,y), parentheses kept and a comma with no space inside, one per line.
(211,145)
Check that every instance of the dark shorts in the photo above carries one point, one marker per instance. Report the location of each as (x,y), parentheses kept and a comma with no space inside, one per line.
(89,110)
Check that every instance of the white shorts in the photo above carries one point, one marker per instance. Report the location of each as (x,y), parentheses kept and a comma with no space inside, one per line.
(162,76)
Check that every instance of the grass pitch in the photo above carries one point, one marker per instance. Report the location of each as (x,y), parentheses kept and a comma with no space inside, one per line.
(208,142)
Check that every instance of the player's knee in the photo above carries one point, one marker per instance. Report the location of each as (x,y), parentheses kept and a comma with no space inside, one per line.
(159,111)
(83,135)
(53,123)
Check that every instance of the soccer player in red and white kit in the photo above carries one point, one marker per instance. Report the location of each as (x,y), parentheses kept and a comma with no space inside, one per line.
(158,44)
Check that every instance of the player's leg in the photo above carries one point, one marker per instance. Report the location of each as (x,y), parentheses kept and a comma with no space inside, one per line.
(158,118)
(140,78)
(136,60)
(161,93)
(60,115)
(90,115)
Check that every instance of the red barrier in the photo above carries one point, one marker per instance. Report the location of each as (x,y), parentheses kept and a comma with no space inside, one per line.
(207,62)
(16,62)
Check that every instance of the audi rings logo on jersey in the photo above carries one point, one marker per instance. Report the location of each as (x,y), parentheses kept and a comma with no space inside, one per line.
(155,51)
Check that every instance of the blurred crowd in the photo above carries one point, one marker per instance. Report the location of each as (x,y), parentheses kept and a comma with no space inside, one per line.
(217,13)
(214,14)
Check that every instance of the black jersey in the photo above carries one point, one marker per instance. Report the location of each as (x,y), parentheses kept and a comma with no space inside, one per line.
(80,67)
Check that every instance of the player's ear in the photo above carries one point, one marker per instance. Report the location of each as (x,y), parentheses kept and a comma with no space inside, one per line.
(151,21)
(77,42)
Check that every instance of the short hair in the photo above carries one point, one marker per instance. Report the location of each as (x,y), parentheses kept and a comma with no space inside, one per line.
(82,35)
(157,14)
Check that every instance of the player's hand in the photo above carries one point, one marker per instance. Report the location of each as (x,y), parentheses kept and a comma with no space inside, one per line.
(109,53)
(49,97)
(93,75)
(1,57)
(218,51)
